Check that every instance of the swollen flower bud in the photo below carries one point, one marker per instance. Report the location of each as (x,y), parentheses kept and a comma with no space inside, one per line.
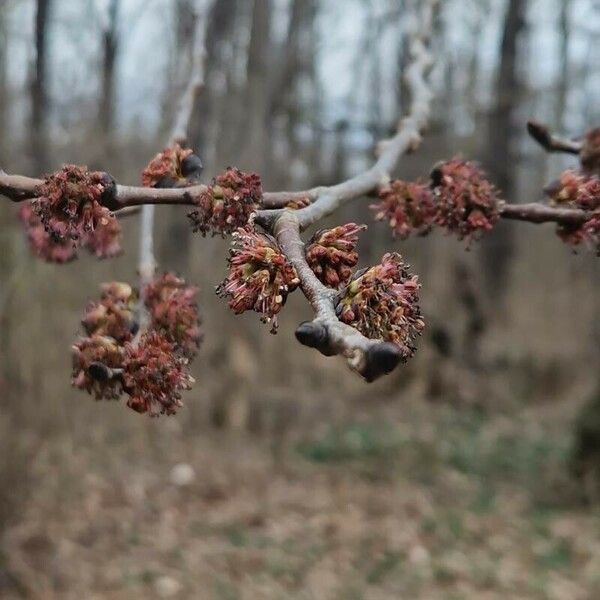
(466,202)
(114,314)
(42,244)
(331,253)
(407,206)
(590,151)
(154,375)
(382,303)
(260,277)
(228,203)
(579,190)
(173,167)
(174,312)
(91,351)
(69,202)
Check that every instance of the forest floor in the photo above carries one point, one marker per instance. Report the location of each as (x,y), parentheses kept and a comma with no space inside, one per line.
(422,501)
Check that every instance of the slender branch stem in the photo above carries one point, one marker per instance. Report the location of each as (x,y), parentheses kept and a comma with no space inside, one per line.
(551,142)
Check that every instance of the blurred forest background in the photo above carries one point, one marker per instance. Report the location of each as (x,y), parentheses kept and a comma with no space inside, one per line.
(472,472)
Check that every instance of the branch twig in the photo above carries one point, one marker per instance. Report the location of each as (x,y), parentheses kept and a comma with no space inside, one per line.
(550,142)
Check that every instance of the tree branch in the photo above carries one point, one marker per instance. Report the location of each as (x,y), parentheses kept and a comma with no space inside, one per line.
(370,358)
(552,143)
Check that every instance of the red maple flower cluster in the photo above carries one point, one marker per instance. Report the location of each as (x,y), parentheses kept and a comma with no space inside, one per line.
(114,315)
(173,167)
(260,277)
(408,206)
(459,198)
(68,213)
(466,201)
(93,357)
(154,375)
(228,203)
(150,367)
(42,244)
(331,253)
(576,189)
(174,312)
(382,303)
(590,151)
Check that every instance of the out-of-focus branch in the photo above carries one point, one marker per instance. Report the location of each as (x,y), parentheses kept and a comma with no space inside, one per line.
(536,212)
(179,134)
(551,142)
(408,137)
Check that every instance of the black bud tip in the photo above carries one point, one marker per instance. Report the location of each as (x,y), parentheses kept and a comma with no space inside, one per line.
(99,371)
(191,167)
(313,335)
(108,197)
(381,359)
(436,174)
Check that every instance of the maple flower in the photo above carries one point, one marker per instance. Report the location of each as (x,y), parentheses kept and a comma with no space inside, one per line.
(382,303)
(466,201)
(260,277)
(590,151)
(408,207)
(575,189)
(114,315)
(69,202)
(154,375)
(99,352)
(331,253)
(228,203)
(174,312)
(173,167)
(42,244)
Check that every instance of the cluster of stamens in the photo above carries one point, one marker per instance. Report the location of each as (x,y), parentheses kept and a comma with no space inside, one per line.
(259,278)
(68,212)
(150,367)
(382,302)
(227,204)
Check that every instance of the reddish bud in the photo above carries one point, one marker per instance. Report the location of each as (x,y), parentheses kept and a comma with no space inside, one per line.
(173,167)
(91,351)
(69,202)
(382,303)
(42,244)
(407,206)
(174,312)
(578,190)
(260,277)
(466,202)
(331,253)
(154,375)
(228,203)
(114,314)
(590,151)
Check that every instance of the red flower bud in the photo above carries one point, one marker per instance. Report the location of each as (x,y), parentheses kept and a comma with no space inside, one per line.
(97,350)
(42,244)
(382,303)
(582,191)
(260,277)
(466,202)
(174,312)
(590,151)
(114,314)
(331,253)
(173,167)
(407,206)
(69,202)
(228,203)
(154,375)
